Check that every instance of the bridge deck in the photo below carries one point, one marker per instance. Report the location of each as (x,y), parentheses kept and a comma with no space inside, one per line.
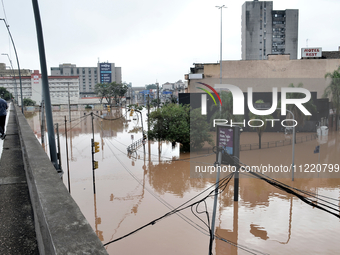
(17,232)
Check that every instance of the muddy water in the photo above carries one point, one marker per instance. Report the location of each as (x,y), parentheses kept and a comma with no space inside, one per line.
(133,190)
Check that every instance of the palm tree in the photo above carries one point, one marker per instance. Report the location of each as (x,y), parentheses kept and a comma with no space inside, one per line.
(263,119)
(333,91)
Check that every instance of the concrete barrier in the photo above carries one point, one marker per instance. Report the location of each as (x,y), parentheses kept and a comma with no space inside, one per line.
(60,226)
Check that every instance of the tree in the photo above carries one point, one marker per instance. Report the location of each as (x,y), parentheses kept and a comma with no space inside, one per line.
(118,90)
(172,123)
(298,114)
(226,109)
(199,130)
(4,94)
(102,90)
(171,100)
(151,86)
(261,122)
(29,102)
(110,91)
(333,91)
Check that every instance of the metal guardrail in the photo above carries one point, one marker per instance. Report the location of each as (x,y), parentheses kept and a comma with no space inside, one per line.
(272,144)
(134,146)
(266,145)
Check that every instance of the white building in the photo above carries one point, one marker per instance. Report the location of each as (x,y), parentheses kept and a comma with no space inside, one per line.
(90,76)
(62,89)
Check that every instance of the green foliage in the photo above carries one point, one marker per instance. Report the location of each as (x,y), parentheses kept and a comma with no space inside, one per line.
(155,102)
(88,107)
(171,100)
(333,92)
(172,123)
(260,119)
(29,102)
(151,86)
(110,91)
(4,94)
(199,130)
(135,107)
(226,109)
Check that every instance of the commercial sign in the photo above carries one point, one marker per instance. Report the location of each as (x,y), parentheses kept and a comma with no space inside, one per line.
(36,77)
(105,73)
(311,52)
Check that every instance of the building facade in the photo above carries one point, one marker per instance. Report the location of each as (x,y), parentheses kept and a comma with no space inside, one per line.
(267,31)
(62,89)
(90,76)
(15,72)
(262,75)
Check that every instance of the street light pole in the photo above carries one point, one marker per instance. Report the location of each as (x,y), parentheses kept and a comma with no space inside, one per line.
(45,88)
(15,80)
(221,7)
(16,55)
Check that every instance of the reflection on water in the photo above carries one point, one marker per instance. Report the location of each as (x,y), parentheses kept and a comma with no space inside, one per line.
(133,190)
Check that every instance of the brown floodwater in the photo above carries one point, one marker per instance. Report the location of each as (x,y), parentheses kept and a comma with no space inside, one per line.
(134,190)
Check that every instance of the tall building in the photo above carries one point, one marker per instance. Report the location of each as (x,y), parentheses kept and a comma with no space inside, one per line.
(266,31)
(90,76)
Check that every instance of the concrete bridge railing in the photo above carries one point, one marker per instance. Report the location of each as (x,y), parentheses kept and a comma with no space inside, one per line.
(60,226)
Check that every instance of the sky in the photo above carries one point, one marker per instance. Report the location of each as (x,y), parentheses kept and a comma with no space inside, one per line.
(151,40)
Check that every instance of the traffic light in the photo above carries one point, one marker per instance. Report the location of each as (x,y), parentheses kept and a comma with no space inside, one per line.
(144,137)
(108,108)
(96,147)
(95,164)
(131,112)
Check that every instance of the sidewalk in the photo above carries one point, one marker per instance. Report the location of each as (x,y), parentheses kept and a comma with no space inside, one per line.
(17,232)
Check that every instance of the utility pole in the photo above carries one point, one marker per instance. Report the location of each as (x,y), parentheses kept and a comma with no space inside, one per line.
(148,112)
(16,55)
(46,91)
(157,95)
(221,7)
(69,105)
(95,149)
(42,123)
(68,166)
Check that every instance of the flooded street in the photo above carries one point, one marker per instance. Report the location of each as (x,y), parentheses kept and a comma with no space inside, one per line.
(134,190)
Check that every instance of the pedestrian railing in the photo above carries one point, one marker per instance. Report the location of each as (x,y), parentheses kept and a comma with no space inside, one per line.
(134,146)
(272,144)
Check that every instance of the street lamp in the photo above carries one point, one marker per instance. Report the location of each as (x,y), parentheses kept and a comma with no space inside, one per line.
(15,81)
(16,55)
(221,7)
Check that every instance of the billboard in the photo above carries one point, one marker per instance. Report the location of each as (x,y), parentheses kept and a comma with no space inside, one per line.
(311,52)
(105,73)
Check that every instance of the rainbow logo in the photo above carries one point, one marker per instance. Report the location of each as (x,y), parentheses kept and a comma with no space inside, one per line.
(208,92)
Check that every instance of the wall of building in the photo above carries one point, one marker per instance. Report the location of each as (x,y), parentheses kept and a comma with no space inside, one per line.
(88,76)
(266,31)
(277,71)
(60,88)
(292,21)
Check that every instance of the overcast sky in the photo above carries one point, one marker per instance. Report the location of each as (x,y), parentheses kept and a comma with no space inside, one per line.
(151,40)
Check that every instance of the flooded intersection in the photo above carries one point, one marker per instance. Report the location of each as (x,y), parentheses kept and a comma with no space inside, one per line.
(133,190)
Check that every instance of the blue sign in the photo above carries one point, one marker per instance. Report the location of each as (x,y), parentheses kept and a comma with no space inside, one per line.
(105,73)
